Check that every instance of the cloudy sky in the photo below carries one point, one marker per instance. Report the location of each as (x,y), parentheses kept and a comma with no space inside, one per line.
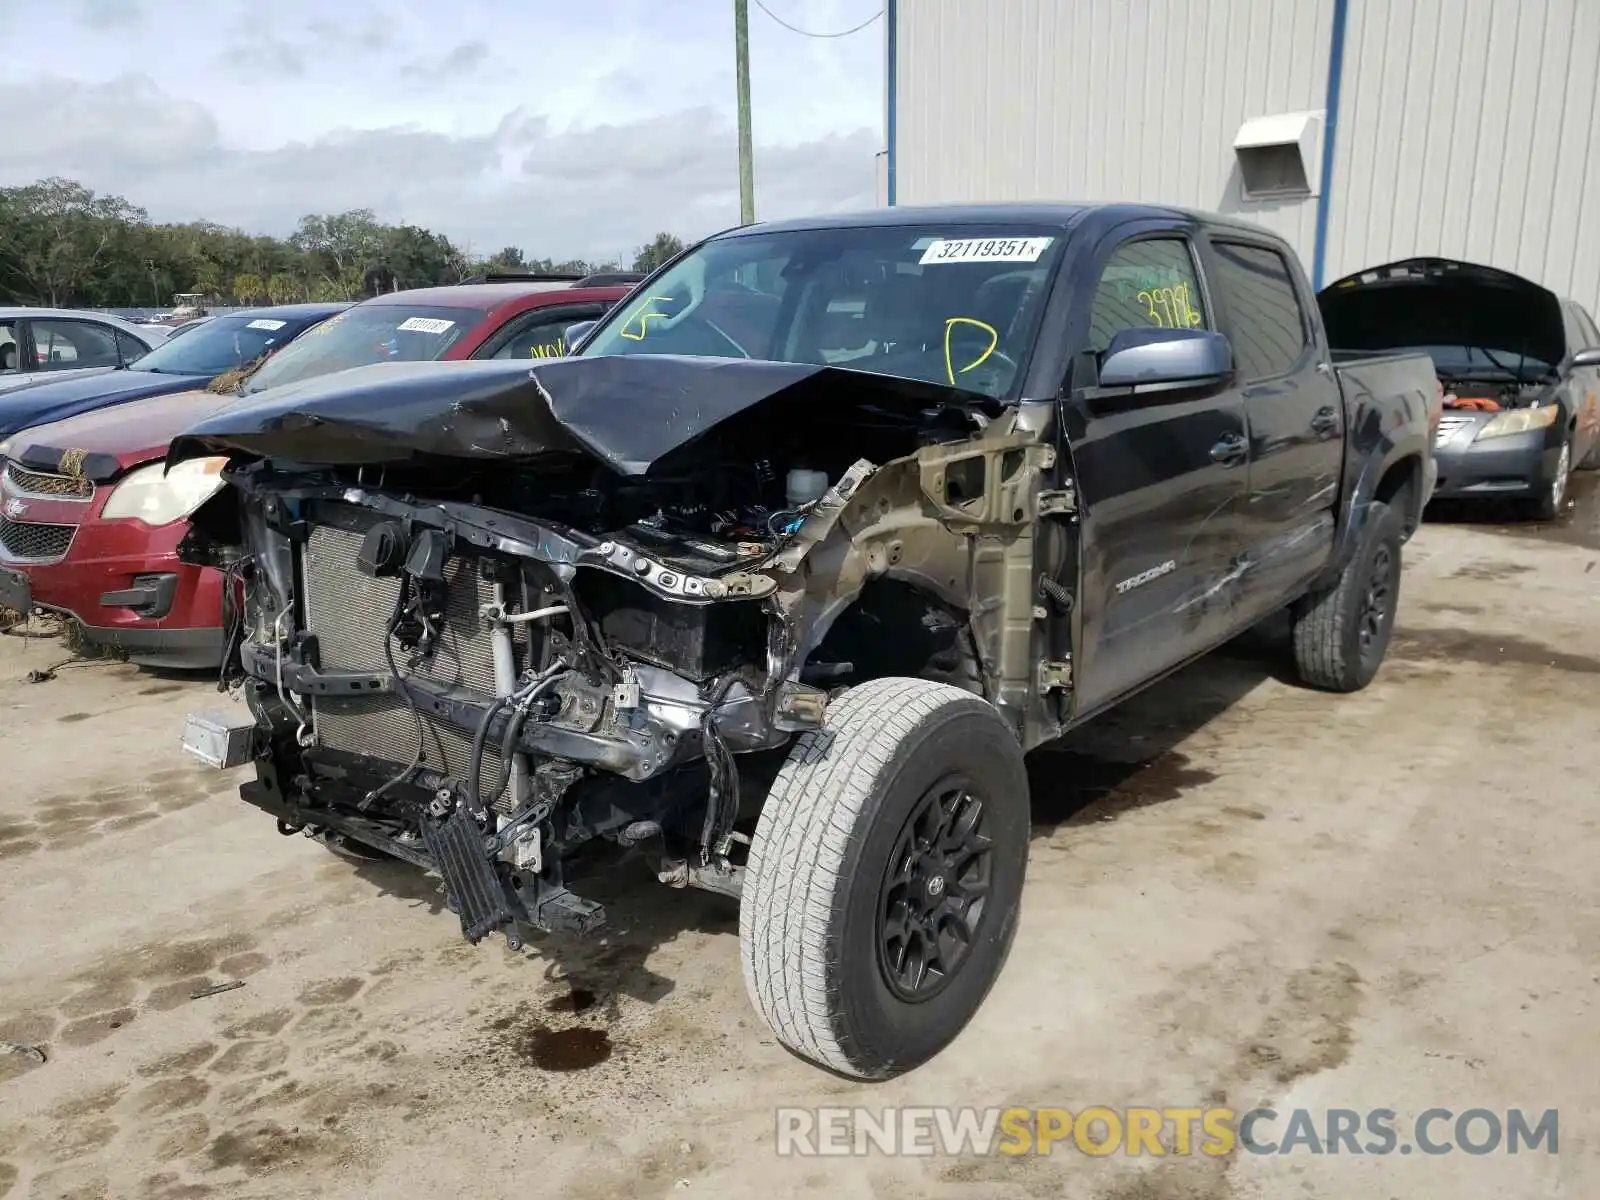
(566,127)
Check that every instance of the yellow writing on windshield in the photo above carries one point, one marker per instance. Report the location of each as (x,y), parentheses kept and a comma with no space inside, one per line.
(322,327)
(557,350)
(646,312)
(950,328)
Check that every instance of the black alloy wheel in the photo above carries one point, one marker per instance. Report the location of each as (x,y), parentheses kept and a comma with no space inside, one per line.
(1378,602)
(932,897)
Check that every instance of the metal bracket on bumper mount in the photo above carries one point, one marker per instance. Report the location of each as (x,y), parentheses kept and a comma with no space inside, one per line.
(478,894)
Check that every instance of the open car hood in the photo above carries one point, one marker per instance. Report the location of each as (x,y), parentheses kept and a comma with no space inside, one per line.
(1443,302)
(628,411)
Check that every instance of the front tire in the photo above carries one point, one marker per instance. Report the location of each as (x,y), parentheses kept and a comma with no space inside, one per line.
(1548,504)
(885,877)
(1342,631)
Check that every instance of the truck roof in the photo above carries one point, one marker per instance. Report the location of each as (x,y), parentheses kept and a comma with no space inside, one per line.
(1063,214)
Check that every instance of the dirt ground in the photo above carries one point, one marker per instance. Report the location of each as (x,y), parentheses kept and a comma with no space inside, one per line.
(1239,891)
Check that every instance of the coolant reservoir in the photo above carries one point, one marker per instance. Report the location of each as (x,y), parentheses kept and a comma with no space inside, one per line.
(805,487)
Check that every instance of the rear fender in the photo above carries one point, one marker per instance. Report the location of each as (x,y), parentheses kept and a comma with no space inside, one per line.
(1380,463)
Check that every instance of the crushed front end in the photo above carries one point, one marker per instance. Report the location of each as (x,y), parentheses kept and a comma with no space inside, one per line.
(489,658)
(445,683)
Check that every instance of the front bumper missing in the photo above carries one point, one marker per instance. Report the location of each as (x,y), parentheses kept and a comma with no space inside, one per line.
(535,904)
(647,745)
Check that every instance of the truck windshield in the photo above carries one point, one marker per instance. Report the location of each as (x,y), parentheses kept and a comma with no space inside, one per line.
(363,335)
(956,305)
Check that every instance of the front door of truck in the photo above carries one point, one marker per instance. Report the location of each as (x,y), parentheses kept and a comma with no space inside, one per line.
(1295,415)
(1160,480)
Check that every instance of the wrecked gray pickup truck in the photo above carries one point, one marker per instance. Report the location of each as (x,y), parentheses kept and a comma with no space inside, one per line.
(778,578)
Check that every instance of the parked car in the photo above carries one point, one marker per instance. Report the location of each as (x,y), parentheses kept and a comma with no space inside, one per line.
(223,344)
(826,526)
(187,326)
(99,523)
(47,344)
(1519,366)
(527,319)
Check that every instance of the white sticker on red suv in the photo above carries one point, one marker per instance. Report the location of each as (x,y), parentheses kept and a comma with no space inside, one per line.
(1016,249)
(425,325)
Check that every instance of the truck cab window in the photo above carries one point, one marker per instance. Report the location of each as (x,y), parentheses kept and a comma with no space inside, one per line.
(1266,322)
(1149,284)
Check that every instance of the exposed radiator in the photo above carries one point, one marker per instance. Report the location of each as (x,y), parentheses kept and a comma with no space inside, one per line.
(349,612)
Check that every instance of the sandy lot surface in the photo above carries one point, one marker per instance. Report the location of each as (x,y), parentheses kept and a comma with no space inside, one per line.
(1239,891)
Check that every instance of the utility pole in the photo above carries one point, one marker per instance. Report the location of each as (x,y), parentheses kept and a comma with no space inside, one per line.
(741,46)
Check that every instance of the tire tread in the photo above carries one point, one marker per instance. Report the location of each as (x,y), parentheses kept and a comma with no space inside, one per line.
(1321,619)
(810,823)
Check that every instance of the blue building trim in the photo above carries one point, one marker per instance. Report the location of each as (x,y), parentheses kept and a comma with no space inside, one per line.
(892,26)
(1341,14)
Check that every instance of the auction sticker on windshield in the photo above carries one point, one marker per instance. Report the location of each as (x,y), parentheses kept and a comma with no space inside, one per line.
(266,323)
(424,325)
(1024,249)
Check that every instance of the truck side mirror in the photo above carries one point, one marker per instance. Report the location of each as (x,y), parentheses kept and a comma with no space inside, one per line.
(1584,359)
(1153,360)
(576,333)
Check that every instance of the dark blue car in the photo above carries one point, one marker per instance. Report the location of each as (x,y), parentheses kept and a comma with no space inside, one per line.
(222,344)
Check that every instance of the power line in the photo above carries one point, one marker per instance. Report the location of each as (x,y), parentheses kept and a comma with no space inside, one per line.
(809,34)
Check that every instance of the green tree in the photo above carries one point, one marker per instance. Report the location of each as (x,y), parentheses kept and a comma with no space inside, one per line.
(413,257)
(340,242)
(658,250)
(55,236)
(205,277)
(283,288)
(60,243)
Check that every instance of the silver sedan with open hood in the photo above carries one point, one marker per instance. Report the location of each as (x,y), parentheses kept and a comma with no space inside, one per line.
(1518,365)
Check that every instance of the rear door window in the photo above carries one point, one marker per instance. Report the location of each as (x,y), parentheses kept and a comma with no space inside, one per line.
(65,345)
(1266,321)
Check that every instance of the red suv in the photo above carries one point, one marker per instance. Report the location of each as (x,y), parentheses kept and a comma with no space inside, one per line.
(90,521)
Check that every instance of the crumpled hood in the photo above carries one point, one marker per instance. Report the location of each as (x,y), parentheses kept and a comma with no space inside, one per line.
(628,411)
(36,404)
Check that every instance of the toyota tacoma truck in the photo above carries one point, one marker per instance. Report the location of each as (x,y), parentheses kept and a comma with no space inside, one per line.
(779,575)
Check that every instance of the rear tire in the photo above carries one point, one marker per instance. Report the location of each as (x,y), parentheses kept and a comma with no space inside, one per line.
(885,877)
(1341,632)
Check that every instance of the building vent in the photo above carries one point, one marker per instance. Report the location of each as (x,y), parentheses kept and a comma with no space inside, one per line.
(1280,157)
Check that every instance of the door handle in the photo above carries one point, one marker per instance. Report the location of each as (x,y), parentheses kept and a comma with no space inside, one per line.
(1325,422)
(1230,451)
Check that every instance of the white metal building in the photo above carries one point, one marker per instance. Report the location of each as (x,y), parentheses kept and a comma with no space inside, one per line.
(1365,131)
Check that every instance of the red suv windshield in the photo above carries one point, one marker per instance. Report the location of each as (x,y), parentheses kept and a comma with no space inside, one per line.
(367,334)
